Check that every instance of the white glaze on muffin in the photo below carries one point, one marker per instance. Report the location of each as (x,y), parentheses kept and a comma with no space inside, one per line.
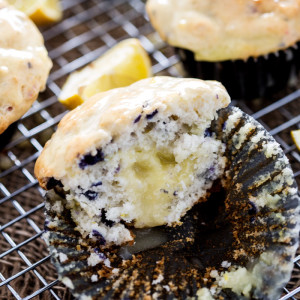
(141,154)
(24,64)
(227,29)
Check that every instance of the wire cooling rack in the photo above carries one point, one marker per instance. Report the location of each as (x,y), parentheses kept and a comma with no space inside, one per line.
(88,29)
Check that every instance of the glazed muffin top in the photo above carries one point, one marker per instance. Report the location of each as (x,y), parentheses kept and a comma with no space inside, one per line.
(109,115)
(24,64)
(227,29)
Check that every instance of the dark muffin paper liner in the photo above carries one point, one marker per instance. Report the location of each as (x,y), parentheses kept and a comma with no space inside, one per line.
(259,77)
(249,220)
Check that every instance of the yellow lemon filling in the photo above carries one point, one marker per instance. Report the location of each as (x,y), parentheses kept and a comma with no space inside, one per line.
(152,179)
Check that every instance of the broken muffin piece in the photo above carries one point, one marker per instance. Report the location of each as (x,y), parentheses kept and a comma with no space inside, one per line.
(141,155)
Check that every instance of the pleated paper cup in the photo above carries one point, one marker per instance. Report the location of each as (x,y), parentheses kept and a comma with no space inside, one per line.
(260,77)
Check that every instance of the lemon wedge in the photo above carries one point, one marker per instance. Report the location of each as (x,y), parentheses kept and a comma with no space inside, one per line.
(296,137)
(41,12)
(122,65)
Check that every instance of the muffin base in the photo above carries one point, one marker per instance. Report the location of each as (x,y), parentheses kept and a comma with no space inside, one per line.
(259,77)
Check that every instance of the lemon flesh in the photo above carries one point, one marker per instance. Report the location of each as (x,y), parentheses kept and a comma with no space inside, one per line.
(122,65)
(41,12)
(296,138)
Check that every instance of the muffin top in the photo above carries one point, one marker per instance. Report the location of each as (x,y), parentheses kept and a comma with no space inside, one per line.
(24,64)
(227,29)
(109,115)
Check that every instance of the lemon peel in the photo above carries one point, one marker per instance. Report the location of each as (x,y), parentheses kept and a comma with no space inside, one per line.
(296,138)
(122,65)
(41,12)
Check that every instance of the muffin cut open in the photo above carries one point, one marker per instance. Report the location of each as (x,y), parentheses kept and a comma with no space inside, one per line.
(239,244)
(142,156)
(154,158)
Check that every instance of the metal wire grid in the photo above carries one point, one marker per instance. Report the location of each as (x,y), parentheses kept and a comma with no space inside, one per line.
(89,28)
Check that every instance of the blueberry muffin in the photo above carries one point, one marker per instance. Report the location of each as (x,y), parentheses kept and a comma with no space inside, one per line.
(141,155)
(159,190)
(24,64)
(249,45)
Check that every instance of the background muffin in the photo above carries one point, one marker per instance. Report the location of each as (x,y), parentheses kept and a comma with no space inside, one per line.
(24,64)
(236,42)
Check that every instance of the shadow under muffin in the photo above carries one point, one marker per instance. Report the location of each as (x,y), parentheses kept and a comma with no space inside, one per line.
(219,237)
(7,135)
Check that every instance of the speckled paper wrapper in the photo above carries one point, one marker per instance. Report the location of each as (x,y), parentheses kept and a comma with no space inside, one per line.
(249,222)
(259,77)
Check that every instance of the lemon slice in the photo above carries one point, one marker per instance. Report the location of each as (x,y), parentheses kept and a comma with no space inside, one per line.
(122,65)
(41,12)
(296,137)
